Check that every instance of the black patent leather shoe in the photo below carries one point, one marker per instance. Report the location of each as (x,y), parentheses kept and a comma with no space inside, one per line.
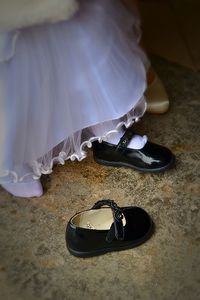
(151,158)
(105,229)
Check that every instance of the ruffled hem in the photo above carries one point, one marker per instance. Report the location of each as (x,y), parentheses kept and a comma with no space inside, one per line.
(39,169)
(30,161)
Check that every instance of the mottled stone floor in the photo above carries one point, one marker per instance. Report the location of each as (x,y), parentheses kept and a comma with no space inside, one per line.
(34,262)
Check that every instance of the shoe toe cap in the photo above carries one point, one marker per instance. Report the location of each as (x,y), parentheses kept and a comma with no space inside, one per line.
(138,222)
(158,156)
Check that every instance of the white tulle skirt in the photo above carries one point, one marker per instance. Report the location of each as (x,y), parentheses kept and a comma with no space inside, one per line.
(68,84)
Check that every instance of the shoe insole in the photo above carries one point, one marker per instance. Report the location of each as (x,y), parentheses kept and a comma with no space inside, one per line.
(100,219)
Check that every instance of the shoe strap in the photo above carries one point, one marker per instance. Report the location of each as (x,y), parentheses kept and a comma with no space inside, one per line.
(117,228)
(125,139)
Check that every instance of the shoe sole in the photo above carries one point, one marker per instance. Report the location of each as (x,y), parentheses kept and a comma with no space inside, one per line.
(114,249)
(126,165)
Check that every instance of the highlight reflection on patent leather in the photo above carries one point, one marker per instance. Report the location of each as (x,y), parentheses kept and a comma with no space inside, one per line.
(151,158)
(101,230)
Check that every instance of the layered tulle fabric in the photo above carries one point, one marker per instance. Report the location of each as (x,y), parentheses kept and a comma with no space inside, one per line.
(68,84)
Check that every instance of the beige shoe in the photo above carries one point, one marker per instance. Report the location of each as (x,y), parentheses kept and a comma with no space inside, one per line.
(157,98)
